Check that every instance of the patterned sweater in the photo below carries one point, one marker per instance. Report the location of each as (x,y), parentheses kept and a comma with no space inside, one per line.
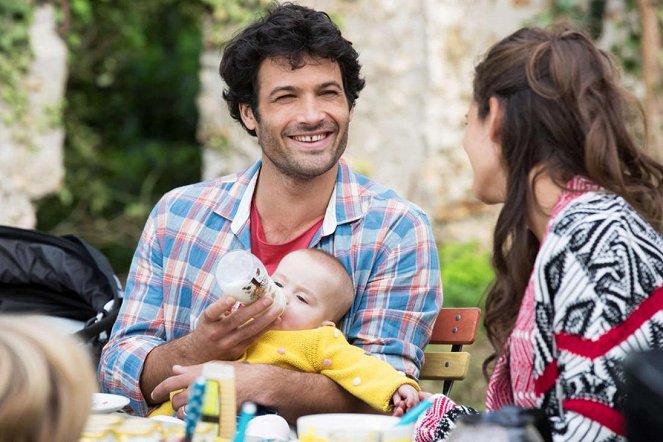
(595,296)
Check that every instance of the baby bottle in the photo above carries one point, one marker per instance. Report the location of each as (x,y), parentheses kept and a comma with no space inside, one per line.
(240,274)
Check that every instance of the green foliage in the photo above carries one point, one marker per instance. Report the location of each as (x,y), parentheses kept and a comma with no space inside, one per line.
(130,118)
(590,15)
(15,58)
(587,15)
(466,273)
(229,15)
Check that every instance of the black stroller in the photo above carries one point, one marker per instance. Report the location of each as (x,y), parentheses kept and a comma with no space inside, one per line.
(61,277)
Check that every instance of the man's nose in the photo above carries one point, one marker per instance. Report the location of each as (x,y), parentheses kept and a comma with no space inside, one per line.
(310,111)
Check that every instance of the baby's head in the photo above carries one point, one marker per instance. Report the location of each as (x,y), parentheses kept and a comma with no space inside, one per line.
(317,288)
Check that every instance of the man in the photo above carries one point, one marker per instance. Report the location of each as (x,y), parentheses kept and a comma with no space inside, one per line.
(292,81)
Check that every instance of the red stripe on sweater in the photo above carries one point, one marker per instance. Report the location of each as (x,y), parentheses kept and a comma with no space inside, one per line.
(601,413)
(547,379)
(582,346)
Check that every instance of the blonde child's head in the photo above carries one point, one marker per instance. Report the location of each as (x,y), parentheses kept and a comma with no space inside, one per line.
(46,382)
(317,287)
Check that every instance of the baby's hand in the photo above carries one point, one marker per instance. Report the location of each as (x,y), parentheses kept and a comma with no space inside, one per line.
(405,398)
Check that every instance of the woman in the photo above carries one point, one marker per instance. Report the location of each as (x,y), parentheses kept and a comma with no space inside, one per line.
(46,382)
(578,250)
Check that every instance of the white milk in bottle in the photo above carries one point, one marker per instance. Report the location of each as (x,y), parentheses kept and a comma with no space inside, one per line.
(240,274)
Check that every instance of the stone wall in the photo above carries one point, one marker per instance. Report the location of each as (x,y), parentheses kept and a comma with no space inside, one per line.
(407,130)
(31,153)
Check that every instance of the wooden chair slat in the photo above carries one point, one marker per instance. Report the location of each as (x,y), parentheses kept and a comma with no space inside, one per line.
(445,365)
(456,326)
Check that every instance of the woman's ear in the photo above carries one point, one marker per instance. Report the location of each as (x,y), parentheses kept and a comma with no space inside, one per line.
(246,113)
(495,119)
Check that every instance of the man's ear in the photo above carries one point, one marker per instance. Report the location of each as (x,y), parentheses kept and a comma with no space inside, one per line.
(246,113)
(495,119)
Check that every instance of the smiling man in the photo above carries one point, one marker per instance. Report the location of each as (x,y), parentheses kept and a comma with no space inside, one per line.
(292,81)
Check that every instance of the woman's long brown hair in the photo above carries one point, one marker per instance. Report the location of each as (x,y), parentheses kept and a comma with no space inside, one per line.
(565,112)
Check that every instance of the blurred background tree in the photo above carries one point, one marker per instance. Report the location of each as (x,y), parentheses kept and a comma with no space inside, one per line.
(130,117)
(631,30)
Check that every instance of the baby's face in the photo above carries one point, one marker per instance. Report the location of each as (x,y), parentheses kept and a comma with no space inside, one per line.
(306,286)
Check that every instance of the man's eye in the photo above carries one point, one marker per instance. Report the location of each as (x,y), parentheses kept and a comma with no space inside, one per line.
(285,97)
(278,284)
(302,299)
(330,93)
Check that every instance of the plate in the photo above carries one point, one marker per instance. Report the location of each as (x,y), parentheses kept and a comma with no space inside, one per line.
(107,403)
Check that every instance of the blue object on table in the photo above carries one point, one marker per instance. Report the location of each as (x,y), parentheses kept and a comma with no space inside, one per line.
(412,415)
(194,408)
(248,411)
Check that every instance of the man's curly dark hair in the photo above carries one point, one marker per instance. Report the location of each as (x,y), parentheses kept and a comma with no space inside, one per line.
(293,32)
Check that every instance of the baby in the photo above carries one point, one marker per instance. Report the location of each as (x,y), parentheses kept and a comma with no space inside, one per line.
(319,292)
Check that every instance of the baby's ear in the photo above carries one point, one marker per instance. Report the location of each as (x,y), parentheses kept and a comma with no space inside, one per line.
(329,323)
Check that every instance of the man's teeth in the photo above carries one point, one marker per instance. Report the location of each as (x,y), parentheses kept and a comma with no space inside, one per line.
(309,138)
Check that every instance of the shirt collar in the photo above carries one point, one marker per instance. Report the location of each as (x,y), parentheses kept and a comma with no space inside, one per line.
(345,205)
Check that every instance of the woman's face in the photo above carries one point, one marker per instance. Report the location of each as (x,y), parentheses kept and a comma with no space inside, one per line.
(489,182)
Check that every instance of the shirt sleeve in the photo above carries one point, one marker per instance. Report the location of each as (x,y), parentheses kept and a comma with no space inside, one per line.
(370,379)
(140,323)
(402,293)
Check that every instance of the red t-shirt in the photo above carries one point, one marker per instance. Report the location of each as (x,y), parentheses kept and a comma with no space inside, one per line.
(271,254)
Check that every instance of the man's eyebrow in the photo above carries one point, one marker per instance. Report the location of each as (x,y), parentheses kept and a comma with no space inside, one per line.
(330,83)
(278,89)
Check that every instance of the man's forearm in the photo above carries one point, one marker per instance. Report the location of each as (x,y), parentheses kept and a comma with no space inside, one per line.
(294,393)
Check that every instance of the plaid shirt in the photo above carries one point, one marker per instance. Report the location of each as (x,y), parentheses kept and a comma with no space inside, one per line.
(385,242)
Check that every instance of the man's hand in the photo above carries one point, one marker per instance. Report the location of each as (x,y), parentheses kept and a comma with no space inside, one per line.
(221,334)
(405,398)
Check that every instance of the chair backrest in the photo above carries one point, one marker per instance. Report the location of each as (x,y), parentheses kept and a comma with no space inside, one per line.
(455,327)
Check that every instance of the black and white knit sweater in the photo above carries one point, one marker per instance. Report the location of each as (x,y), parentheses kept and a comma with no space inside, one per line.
(598,297)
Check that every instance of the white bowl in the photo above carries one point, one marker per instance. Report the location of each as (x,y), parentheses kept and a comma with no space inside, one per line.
(326,427)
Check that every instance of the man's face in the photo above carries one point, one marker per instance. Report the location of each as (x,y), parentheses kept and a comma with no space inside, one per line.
(303,118)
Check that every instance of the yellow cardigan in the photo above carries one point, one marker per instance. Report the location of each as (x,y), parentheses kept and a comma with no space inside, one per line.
(325,350)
